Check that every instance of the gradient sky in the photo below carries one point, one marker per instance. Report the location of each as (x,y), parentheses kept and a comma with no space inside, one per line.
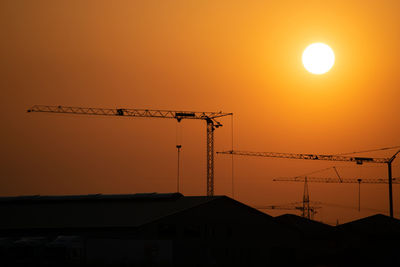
(235,56)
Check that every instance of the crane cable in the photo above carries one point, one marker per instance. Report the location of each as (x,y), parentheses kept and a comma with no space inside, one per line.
(313,172)
(370,150)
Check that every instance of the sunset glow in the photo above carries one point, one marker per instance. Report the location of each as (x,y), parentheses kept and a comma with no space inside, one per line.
(313,77)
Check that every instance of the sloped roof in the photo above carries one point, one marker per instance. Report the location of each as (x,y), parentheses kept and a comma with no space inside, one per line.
(304,225)
(376,225)
(90,197)
(128,210)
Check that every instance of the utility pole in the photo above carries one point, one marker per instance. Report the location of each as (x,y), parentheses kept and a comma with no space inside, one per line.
(306,201)
(359,194)
(177,174)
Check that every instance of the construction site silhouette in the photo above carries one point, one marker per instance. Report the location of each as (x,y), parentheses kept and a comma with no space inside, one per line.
(171,230)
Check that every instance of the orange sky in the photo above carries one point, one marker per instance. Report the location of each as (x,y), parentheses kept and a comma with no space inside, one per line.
(236,56)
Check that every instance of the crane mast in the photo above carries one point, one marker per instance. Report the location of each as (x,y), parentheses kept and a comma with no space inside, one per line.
(358,160)
(209,117)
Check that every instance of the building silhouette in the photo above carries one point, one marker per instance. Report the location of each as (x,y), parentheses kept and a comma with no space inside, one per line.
(172,229)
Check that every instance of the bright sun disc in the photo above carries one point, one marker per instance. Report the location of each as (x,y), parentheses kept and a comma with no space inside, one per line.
(318,58)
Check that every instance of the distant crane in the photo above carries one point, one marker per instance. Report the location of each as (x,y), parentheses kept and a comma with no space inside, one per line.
(339,179)
(358,181)
(358,160)
(209,117)
(307,211)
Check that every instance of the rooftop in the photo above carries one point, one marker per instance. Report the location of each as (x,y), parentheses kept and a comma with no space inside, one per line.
(127,210)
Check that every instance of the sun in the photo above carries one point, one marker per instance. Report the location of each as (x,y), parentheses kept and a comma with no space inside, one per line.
(318,58)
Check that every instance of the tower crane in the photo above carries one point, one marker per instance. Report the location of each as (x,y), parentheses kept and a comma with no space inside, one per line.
(357,160)
(358,181)
(307,211)
(208,117)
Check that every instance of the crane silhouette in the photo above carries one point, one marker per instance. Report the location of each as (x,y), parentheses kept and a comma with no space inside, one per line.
(339,157)
(339,179)
(208,117)
(307,211)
